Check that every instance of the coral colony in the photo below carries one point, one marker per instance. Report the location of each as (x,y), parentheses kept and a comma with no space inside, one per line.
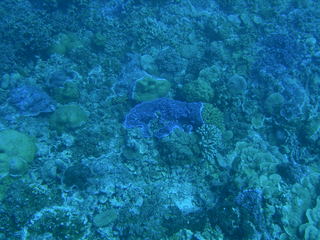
(161,116)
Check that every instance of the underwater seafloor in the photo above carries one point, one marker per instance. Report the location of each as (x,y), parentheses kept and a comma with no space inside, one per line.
(159,120)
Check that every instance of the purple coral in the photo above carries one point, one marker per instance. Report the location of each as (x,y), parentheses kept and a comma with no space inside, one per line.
(161,116)
(31,101)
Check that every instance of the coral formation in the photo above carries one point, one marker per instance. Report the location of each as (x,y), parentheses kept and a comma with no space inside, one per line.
(211,140)
(250,201)
(310,230)
(64,44)
(273,103)
(179,148)
(237,85)
(198,91)
(68,117)
(281,51)
(67,93)
(17,151)
(169,62)
(150,88)
(58,223)
(212,115)
(31,101)
(161,116)
(209,74)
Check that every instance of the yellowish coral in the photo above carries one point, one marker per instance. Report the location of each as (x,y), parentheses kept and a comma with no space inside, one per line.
(212,115)
(149,88)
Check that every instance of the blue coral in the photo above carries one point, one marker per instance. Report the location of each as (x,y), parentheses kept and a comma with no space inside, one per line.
(160,117)
(31,101)
(279,53)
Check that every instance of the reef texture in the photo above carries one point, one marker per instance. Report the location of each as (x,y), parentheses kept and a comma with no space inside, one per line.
(159,120)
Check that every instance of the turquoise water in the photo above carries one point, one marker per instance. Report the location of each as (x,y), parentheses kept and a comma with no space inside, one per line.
(159,120)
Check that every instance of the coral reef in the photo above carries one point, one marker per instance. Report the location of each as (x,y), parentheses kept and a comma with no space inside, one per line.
(310,230)
(64,44)
(68,93)
(281,52)
(204,119)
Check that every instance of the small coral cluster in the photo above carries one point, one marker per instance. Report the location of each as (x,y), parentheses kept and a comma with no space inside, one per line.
(210,140)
